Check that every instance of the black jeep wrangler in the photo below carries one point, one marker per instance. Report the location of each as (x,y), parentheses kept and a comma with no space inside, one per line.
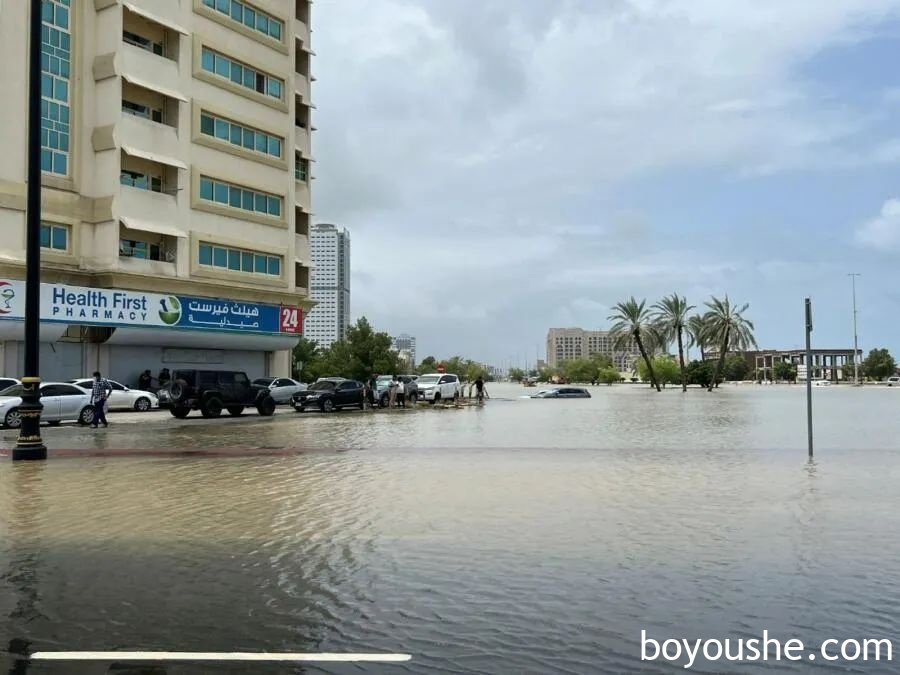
(211,391)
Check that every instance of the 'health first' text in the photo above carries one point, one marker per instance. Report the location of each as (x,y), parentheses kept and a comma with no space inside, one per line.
(99,305)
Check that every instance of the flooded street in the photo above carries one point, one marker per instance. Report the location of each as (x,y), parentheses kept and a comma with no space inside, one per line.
(531,536)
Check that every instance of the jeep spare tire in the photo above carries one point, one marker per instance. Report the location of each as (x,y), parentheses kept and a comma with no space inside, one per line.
(177,391)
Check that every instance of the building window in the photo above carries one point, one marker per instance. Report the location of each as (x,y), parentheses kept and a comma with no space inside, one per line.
(55,237)
(131,248)
(240,136)
(240,74)
(238,197)
(56,63)
(301,168)
(239,260)
(141,110)
(142,42)
(250,17)
(139,180)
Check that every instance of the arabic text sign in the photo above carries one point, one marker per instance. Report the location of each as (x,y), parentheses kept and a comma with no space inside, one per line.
(225,315)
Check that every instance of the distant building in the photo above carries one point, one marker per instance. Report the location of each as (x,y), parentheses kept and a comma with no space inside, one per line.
(827,364)
(329,284)
(406,346)
(565,344)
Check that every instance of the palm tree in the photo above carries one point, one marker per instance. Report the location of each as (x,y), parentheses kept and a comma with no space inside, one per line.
(670,317)
(697,329)
(728,329)
(632,323)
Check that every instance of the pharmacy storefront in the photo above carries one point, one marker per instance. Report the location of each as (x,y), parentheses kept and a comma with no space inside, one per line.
(124,332)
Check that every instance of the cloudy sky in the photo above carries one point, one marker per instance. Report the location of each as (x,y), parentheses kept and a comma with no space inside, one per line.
(505,166)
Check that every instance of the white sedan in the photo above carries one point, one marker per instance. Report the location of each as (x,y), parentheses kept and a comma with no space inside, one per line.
(123,398)
(281,388)
(62,402)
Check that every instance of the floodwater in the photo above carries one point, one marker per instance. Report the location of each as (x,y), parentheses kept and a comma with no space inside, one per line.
(527,536)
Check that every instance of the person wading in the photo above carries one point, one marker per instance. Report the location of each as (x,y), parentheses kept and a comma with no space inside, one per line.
(99,394)
(479,390)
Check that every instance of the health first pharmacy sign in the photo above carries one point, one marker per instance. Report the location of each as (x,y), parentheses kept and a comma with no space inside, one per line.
(61,303)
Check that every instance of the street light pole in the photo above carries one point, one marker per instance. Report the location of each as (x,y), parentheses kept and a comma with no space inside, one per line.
(29,444)
(855,338)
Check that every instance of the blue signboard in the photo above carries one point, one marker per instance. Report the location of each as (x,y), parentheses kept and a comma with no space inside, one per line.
(227,315)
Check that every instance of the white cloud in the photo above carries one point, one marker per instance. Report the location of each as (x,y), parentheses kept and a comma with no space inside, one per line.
(882,232)
(487,143)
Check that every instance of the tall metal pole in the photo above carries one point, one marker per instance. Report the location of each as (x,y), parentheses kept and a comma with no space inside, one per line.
(855,337)
(809,419)
(29,444)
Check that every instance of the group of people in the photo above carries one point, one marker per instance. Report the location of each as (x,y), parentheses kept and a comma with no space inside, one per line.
(146,380)
(397,397)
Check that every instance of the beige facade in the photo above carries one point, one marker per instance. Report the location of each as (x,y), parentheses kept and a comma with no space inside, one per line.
(565,344)
(171,125)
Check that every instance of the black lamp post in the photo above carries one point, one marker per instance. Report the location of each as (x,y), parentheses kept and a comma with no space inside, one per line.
(30,445)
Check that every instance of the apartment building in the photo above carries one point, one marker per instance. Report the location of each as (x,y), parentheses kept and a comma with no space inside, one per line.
(405,345)
(329,284)
(565,344)
(176,184)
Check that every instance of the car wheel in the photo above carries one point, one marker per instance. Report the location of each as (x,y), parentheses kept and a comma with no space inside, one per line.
(327,405)
(235,410)
(86,416)
(437,399)
(383,403)
(456,397)
(212,408)
(180,413)
(13,419)
(266,407)
(142,404)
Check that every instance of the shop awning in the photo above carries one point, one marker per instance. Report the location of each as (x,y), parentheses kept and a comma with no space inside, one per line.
(202,339)
(137,9)
(14,329)
(150,226)
(153,157)
(165,91)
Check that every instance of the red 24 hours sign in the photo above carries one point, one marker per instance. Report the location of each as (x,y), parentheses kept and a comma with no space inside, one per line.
(291,320)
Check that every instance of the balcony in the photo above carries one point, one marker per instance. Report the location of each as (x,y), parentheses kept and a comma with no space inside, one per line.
(135,205)
(146,253)
(301,247)
(147,70)
(301,87)
(301,221)
(301,278)
(152,138)
(302,141)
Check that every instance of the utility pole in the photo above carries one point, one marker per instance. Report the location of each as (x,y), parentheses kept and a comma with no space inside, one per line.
(853,276)
(29,444)
(809,419)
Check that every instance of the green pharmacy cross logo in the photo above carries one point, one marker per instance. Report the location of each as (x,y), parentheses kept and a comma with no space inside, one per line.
(6,296)
(170,310)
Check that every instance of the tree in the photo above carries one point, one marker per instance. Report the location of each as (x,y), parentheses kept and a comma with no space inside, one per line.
(700,373)
(879,364)
(608,376)
(304,357)
(665,368)
(546,373)
(632,322)
(670,316)
(782,370)
(736,368)
(516,374)
(428,365)
(697,331)
(728,329)
(579,370)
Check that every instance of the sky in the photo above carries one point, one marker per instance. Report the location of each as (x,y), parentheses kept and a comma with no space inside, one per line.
(507,166)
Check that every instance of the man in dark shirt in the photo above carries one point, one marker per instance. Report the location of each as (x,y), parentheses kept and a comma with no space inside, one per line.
(479,390)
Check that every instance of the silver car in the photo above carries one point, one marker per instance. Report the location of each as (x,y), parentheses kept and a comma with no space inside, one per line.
(281,388)
(62,402)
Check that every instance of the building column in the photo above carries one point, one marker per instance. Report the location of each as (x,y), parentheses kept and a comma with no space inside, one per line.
(278,364)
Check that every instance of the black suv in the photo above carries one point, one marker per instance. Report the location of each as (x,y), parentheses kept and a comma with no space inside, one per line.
(330,394)
(211,391)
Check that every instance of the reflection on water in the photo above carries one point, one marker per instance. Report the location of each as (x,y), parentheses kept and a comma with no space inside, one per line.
(494,557)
